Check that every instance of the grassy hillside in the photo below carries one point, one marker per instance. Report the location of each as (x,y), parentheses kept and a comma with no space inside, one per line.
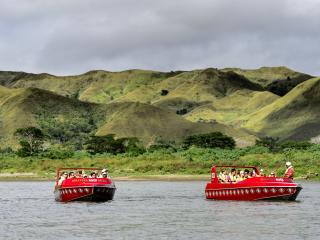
(229,109)
(265,76)
(153,105)
(149,123)
(294,116)
(35,107)
(65,119)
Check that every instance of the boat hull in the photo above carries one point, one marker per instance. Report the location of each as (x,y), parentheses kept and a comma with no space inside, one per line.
(248,193)
(85,193)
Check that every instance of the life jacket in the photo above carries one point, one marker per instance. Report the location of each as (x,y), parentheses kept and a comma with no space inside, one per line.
(289,172)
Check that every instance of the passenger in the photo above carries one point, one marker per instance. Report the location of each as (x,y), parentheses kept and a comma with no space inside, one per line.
(93,175)
(223,176)
(241,176)
(63,177)
(272,174)
(71,175)
(246,174)
(104,173)
(85,176)
(79,174)
(238,174)
(290,171)
(261,173)
(232,176)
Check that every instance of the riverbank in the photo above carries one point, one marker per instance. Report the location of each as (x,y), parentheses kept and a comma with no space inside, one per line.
(191,164)
(50,177)
(171,177)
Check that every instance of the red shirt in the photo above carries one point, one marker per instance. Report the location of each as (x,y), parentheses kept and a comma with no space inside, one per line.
(289,173)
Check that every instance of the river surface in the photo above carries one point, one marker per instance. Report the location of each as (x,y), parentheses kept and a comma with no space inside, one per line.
(154,210)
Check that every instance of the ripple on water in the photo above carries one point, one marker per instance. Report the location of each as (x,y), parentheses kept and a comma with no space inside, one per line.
(154,210)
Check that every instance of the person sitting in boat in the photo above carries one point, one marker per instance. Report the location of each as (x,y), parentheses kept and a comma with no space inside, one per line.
(63,177)
(246,174)
(71,175)
(261,174)
(223,176)
(290,171)
(232,176)
(104,173)
(79,174)
(93,175)
(272,174)
(241,176)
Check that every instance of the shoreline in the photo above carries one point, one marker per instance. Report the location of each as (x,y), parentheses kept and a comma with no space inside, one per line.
(169,177)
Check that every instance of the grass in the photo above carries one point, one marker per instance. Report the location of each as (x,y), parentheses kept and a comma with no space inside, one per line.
(130,104)
(188,163)
(266,75)
(282,117)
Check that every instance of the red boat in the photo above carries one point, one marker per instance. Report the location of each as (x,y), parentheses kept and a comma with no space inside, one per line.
(254,188)
(83,188)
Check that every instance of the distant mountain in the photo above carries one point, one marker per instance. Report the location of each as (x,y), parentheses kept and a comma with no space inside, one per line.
(150,105)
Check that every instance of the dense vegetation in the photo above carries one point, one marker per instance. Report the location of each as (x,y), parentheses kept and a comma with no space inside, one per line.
(128,157)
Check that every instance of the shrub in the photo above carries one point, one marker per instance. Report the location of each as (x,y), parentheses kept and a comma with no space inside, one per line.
(303,145)
(269,142)
(58,152)
(210,140)
(164,92)
(108,144)
(182,111)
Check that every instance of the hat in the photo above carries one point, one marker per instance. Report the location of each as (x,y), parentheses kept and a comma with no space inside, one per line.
(288,164)
(104,170)
(261,170)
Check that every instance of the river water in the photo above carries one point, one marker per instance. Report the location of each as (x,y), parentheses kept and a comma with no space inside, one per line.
(154,210)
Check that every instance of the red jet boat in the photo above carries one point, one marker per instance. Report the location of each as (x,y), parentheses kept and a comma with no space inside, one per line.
(254,188)
(82,188)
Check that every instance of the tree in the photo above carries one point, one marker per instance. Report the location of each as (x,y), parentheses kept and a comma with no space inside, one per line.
(31,141)
(108,144)
(210,140)
(269,142)
(102,144)
(132,145)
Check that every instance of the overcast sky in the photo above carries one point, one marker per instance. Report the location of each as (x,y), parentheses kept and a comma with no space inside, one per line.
(73,36)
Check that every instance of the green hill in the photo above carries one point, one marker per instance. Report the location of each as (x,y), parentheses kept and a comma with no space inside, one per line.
(150,123)
(169,105)
(49,111)
(65,119)
(278,80)
(294,116)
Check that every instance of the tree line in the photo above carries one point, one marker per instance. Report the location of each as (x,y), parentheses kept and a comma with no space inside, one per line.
(33,142)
